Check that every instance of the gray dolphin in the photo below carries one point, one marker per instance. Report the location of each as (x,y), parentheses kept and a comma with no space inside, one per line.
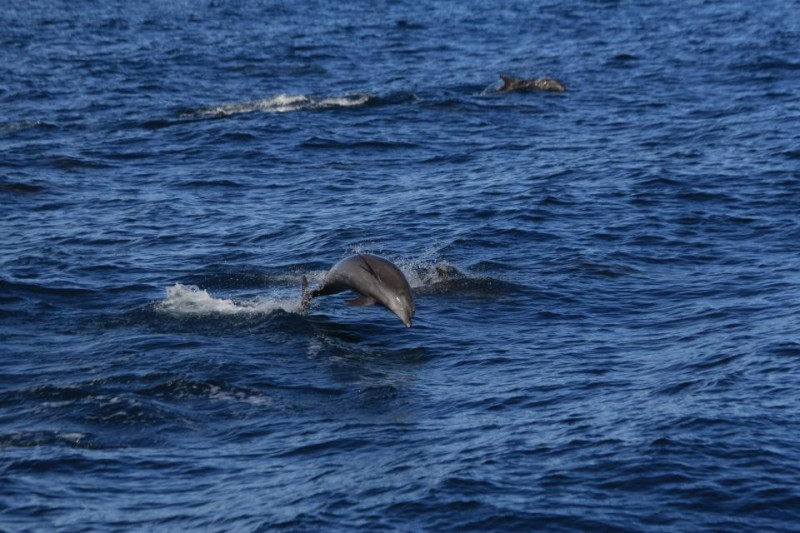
(542,84)
(377,280)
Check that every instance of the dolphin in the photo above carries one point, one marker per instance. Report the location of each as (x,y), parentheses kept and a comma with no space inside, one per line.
(377,280)
(542,84)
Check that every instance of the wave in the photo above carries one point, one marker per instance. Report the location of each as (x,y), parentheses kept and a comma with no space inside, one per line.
(191,300)
(17,187)
(32,288)
(37,438)
(320,142)
(281,103)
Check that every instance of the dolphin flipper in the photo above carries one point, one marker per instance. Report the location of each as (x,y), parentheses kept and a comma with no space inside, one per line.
(361,301)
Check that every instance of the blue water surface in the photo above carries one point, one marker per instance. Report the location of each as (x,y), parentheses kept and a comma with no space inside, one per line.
(607,280)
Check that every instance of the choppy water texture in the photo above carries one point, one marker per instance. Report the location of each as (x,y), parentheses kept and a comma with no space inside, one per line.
(615,345)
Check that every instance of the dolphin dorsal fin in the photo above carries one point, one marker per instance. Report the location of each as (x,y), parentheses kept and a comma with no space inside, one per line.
(366,266)
(508,83)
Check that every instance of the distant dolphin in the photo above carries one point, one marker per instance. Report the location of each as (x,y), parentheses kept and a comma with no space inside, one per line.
(377,281)
(542,84)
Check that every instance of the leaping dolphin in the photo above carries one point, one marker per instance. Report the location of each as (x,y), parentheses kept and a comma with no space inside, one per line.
(377,280)
(542,84)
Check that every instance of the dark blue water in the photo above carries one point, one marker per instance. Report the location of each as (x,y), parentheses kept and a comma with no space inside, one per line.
(615,345)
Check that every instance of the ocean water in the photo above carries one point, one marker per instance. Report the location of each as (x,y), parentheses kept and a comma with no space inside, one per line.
(607,280)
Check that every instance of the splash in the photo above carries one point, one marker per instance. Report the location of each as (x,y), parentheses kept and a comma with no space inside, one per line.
(282,104)
(426,274)
(192,300)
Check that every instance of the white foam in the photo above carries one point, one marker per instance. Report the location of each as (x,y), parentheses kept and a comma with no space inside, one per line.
(74,438)
(283,103)
(191,300)
(343,101)
(218,395)
(18,126)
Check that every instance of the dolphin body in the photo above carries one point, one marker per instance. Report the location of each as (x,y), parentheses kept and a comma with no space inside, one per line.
(542,84)
(377,280)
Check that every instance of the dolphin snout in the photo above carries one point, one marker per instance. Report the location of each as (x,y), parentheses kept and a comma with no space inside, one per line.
(405,315)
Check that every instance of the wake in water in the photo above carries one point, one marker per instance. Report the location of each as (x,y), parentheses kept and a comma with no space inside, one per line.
(423,275)
(192,300)
(281,104)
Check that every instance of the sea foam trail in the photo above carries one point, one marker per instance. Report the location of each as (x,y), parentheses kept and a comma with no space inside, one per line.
(192,300)
(282,103)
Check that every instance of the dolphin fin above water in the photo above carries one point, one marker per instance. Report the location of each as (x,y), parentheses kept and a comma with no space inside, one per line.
(376,280)
(508,84)
(540,84)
